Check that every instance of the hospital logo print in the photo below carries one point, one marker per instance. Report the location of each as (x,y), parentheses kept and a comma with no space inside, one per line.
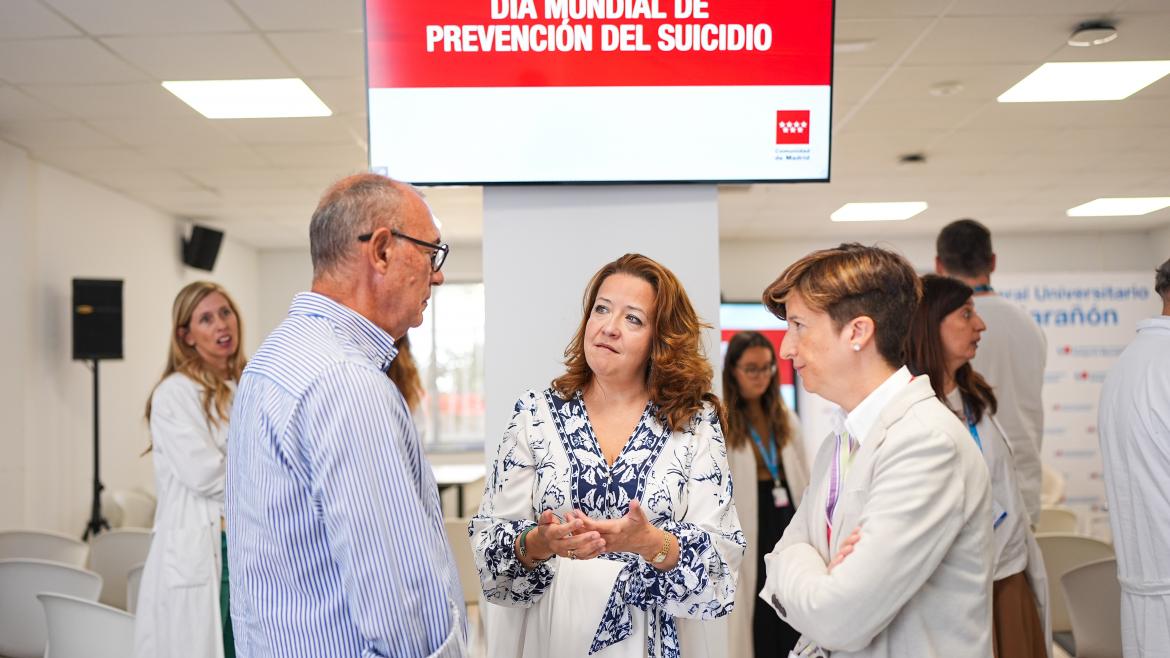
(792,126)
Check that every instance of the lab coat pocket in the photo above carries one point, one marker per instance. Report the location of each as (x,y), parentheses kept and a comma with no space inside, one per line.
(189,560)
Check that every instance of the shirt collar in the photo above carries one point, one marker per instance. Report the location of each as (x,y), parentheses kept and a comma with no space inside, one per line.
(1156,324)
(370,340)
(861,420)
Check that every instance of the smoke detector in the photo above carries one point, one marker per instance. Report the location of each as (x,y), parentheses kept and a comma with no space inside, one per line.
(1092,33)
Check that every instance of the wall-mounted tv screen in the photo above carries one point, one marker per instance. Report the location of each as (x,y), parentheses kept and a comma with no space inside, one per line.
(571,91)
(735,317)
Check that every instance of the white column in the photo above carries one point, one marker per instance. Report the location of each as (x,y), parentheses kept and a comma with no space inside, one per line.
(541,245)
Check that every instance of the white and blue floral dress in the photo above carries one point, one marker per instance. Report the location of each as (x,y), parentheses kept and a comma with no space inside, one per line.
(617,605)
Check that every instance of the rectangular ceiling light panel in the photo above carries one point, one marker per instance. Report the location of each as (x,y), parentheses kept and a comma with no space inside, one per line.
(1056,82)
(249,99)
(1119,206)
(878,212)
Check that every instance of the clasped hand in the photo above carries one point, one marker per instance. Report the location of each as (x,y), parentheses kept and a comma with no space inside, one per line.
(581,537)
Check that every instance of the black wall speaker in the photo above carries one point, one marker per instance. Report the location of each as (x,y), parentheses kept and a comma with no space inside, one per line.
(202,249)
(97,319)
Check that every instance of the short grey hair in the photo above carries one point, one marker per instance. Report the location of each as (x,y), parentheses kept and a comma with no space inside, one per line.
(1162,280)
(350,207)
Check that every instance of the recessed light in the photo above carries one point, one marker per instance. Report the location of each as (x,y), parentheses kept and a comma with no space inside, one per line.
(1092,33)
(849,46)
(944,89)
(878,212)
(249,99)
(1119,206)
(1085,81)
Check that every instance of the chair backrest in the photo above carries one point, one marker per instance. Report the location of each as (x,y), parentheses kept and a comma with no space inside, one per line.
(1062,553)
(22,624)
(1057,519)
(464,559)
(1051,486)
(137,508)
(42,545)
(1093,597)
(133,580)
(111,509)
(84,629)
(112,554)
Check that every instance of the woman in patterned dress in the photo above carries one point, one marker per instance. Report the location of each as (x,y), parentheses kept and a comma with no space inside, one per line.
(607,526)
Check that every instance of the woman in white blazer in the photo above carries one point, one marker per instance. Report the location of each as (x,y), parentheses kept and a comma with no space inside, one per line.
(943,338)
(182,604)
(766,456)
(889,554)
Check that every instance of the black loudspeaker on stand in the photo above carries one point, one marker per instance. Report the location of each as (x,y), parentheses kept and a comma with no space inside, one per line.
(97,335)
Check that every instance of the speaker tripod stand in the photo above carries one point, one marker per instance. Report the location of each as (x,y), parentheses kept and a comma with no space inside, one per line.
(97,522)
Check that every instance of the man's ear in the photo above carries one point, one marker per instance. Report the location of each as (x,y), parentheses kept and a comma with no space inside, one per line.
(938,267)
(992,264)
(379,254)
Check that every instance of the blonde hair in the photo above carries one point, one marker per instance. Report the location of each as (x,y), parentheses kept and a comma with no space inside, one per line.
(678,375)
(852,280)
(217,395)
(404,373)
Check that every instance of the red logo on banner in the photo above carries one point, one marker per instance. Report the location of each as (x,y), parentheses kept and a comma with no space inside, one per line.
(792,126)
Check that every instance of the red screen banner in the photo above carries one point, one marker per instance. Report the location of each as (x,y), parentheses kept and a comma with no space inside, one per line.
(590,43)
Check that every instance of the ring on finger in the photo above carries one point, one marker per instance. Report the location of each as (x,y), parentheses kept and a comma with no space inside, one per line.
(572,554)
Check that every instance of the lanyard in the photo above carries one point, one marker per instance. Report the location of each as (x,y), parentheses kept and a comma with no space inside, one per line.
(982,288)
(771,456)
(971,426)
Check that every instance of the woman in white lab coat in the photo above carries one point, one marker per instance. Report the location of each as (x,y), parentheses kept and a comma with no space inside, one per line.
(944,336)
(182,604)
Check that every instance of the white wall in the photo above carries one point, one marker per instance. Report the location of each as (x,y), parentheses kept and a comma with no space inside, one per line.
(749,266)
(73,228)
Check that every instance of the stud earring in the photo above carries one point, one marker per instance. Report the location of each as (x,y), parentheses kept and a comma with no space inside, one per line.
(856,347)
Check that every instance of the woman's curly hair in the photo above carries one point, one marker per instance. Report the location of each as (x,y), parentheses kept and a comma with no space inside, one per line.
(678,375)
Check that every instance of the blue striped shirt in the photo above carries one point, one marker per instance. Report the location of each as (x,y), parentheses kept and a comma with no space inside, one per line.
(336,539)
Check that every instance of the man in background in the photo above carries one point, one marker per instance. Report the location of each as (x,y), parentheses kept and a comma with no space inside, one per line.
(1011,354)
(1134,426)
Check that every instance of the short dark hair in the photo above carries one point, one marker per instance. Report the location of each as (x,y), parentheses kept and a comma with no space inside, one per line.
(964,248)
(850,281)
(1162,280)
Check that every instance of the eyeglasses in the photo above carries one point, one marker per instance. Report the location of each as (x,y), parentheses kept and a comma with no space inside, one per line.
(439,250)
(756,371)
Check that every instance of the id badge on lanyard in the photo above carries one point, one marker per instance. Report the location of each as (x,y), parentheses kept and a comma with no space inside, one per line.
(771,459)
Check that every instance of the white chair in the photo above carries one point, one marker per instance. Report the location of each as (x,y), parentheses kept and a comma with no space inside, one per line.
(111,509)
(133,581)
(1051,486)
(112,554)
(468,575)
(137,508)
(1057,519)
(1064,552)
(1093,597)
(84,629)
(22,624)
(43,545)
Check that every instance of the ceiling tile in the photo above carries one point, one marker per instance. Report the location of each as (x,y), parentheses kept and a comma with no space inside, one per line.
(309,130)
(931,114)
(201,57)
(342,95)
(236,177)
(1087,8)
(852,83)
(62,61)
(323,54)
(119,101)
(889,8)
(91,159)
(890,39)
(305,14)
(205,156)
(1139,37)
(38,135)
(27,19)
(343,157)
(15,104)
(193,132)
(992,40)
(979,83)
(151,16)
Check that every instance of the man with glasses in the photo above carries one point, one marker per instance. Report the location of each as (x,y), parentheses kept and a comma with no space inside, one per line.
(337,540)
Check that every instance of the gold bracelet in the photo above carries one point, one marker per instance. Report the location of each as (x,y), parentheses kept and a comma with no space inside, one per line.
(661,556)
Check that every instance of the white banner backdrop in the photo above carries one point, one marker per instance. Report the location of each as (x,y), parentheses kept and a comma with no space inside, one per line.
(1088,318)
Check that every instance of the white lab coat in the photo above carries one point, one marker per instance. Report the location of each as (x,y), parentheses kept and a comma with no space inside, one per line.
(178,600)
(742,461)
(1134,426)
